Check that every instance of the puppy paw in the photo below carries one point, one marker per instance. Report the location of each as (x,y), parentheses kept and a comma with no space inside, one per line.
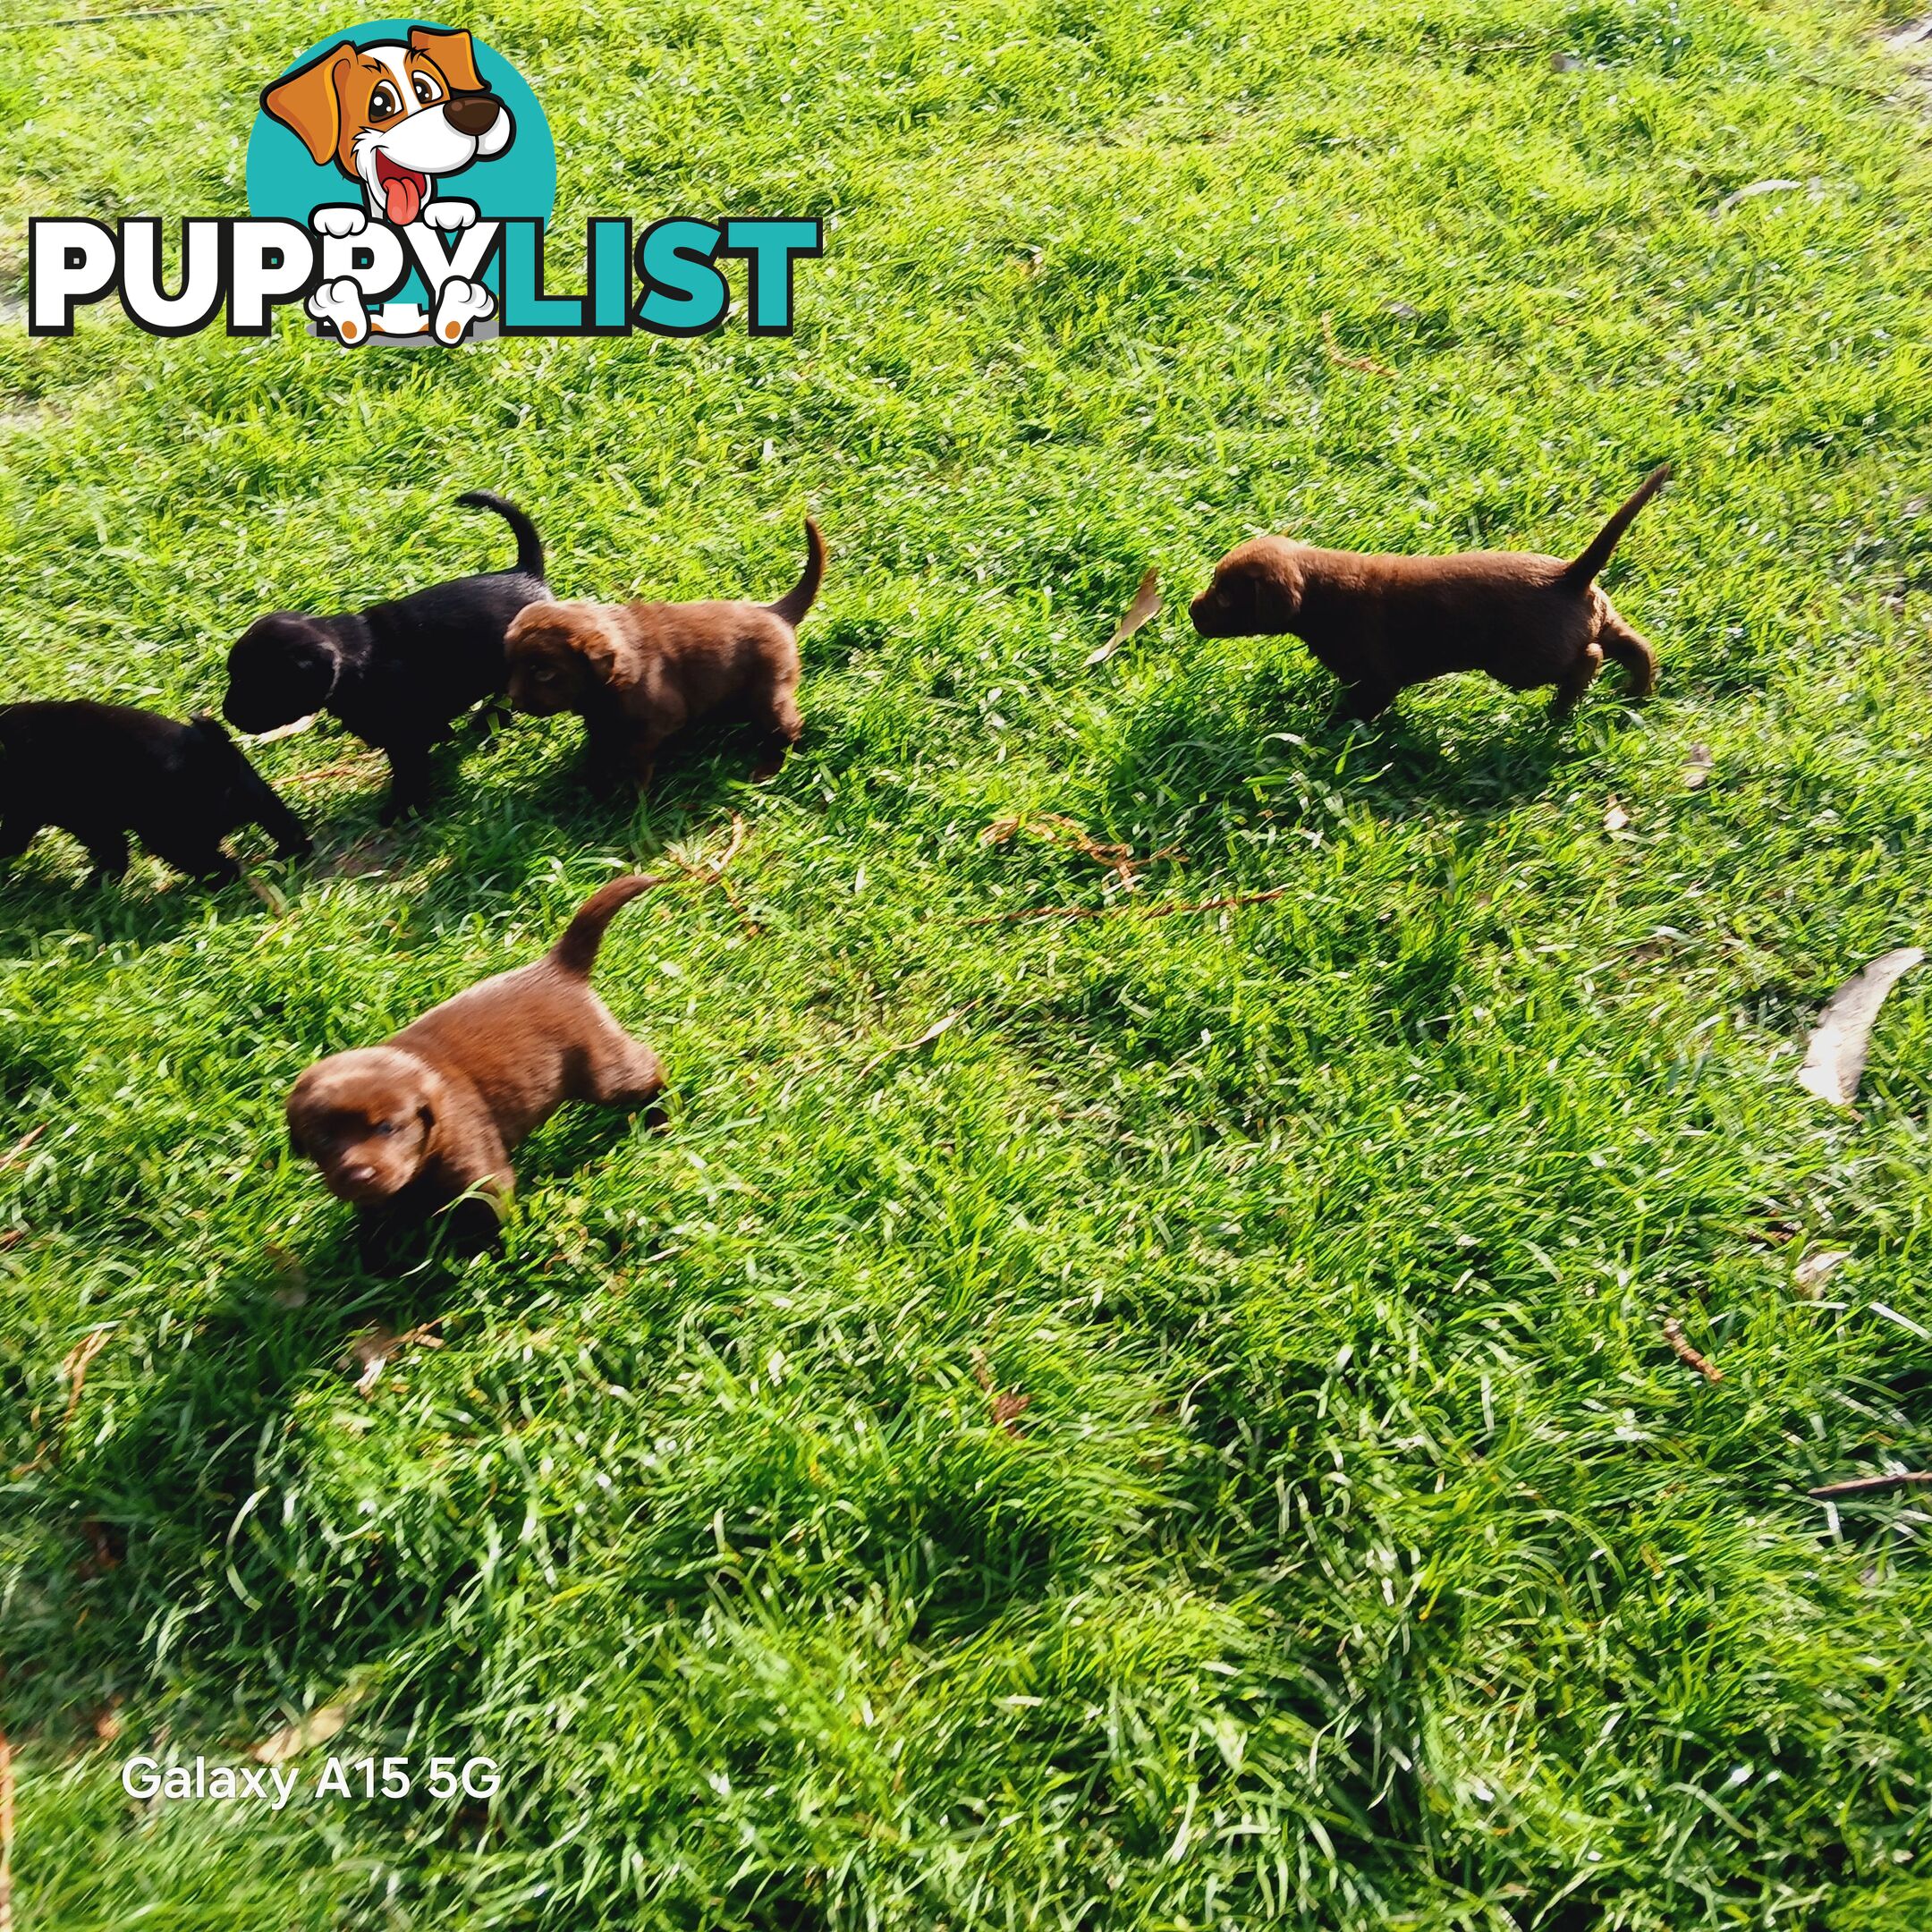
(339,222)
(457,304)
(340,303)
(451,215)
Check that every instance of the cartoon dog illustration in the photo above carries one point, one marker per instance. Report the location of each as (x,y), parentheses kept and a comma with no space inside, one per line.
(396,116)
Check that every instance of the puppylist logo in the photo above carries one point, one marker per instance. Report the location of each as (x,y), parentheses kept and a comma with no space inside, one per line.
(401,176)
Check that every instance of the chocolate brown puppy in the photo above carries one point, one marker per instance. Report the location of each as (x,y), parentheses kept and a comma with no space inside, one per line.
(1381,624)
(638,674)
(405,1130)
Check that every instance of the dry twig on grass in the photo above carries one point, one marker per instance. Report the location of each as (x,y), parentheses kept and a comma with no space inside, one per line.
(1337,354)
(1674,1334)
(20,1146)
(711,871)
(1870,1485)
(1163,910)
(1055,829)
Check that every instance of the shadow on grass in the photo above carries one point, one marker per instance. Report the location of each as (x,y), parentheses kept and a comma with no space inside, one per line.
(1274,742)
(40,898)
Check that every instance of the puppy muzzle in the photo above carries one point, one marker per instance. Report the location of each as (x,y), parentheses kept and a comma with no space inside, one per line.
(359,1186)
(474,114)
(256,717)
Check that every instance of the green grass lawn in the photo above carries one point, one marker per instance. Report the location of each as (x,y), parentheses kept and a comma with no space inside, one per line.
(1364,1555)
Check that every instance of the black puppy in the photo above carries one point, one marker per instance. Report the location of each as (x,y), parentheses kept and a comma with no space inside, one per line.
(397,674)
(101,771)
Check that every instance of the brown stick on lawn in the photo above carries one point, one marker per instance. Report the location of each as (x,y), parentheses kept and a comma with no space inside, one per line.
(1870,1485)
(1130,912)
(1674,1334)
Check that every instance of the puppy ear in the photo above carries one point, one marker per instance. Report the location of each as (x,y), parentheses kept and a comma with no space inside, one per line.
(432,1099)
(597,645)
(310,102)
(1276,576)
(453,54)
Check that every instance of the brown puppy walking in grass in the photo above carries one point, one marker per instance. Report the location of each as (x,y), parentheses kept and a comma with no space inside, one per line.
(405,1130)
(638,674)
(1381,622)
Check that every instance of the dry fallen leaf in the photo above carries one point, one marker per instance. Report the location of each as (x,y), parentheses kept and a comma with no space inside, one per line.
(1008,1405)
(291,730)
(103,1556)
(1146,602)
(1751,193)
(1697,768)
(931,1033)
(1614,818)
(1811,1273)
(20,1145)
(1834,1057)
(370,1348)
(292,1740)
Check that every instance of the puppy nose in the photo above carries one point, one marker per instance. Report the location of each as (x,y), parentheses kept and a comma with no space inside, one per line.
(471,113)
(359,1175)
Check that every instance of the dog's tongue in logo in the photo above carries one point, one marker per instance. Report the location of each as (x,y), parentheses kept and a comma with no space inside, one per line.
(403,190)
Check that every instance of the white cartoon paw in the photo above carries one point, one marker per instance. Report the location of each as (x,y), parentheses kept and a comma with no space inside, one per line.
(457,304)
(339,222)
(452,215)
(340,302)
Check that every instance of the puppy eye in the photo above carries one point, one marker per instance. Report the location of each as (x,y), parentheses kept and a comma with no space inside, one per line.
(382,102)
(426,90)
(386,1128)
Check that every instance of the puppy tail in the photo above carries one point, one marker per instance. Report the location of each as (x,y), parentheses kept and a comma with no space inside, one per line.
(576,952)
(529,543)
(1582,573)
(799,599)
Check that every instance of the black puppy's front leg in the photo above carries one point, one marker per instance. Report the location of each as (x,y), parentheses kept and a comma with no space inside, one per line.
(16,834)
(107,853)
(206,862)
(409,782)
(289,833)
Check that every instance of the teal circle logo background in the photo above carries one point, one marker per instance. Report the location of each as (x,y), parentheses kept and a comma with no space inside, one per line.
(285,184)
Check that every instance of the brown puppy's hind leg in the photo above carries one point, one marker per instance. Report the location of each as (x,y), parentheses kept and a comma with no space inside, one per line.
(1577,680)
(778,723)
(1630,647)
(621,1072)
